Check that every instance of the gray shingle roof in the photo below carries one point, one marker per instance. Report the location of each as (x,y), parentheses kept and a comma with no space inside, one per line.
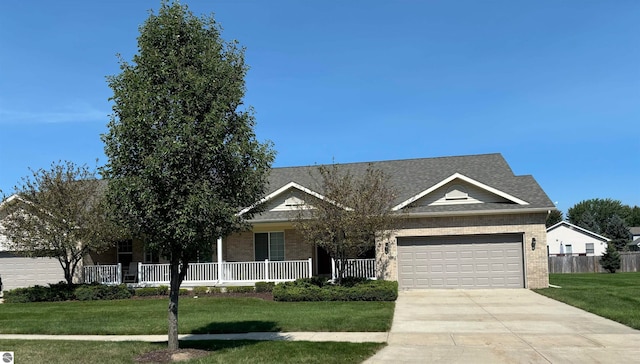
(410,177)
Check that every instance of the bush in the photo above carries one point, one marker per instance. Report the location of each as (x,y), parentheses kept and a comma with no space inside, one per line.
(163,290)
(102,292)
(148,291)
(240,289)
(200,291)
(63,292)
(610,261)
(159,291)
(304,290)
(265,286)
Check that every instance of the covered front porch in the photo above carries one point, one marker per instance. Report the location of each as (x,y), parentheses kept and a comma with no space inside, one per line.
(221,273)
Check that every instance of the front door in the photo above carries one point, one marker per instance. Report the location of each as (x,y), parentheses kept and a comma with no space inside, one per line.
(323,262)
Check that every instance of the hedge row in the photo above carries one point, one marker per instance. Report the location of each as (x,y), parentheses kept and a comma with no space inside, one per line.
(314,290)
(87,292)
(63,292)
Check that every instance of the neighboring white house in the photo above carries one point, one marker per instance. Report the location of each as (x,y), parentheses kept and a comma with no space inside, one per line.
(17,271)
(565,238)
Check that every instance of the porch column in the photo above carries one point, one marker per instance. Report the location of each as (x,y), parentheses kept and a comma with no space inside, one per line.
(219,253)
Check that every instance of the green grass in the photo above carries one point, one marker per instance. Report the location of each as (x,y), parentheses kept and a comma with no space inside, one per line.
(614,296)
(196,316)
(80,352)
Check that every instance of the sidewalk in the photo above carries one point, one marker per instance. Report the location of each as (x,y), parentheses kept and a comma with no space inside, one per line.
(354,337)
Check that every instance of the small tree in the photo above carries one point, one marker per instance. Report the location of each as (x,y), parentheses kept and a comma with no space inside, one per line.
(554,217)
(183,156)
(617,231)
(354,212)
(610,260)
(59,213)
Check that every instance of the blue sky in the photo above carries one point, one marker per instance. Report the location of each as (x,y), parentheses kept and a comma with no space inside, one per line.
(552,85)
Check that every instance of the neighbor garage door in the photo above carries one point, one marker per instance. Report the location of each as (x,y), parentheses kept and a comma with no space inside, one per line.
(16,271)
(467,261)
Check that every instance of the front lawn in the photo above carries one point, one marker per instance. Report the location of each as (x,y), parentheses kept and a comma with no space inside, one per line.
(614,296)
(31,351)
(197,316)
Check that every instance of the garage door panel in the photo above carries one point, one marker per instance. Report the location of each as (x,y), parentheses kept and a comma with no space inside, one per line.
(17,271)
(480,261)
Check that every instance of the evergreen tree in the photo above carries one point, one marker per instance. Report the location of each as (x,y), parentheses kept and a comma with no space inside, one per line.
(610,260)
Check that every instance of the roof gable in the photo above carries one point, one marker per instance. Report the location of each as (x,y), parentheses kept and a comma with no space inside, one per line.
(459,189)
(577,229)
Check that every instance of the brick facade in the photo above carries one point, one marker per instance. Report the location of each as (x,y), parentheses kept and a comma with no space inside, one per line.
(530,225)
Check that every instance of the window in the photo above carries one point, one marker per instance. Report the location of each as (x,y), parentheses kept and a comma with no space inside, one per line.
(569,249)
(125,252)
(269,246)
(589,248)
(151,256)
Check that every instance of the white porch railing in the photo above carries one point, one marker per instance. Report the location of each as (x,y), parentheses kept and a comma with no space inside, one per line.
(103,274)
(365,268)
(271,271)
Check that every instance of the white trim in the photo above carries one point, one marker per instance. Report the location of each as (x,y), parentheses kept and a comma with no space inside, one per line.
(576,227)
(279,191)
(283,189)
(466,179)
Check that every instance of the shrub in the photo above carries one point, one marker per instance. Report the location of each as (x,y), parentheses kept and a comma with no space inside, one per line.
(102,292)
(303,290)
(163,290)
(200,291)
(610,261)
(264,286)
(240,289)
(147,291)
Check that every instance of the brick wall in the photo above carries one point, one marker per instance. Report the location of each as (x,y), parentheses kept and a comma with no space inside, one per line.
(530,225)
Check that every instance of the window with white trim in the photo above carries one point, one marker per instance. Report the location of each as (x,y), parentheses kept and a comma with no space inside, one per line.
(269,246)
(589,247)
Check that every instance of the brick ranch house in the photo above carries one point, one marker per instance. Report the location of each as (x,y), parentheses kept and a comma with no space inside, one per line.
(471,223)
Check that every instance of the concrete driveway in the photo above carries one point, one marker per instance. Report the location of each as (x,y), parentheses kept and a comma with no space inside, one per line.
(501,326)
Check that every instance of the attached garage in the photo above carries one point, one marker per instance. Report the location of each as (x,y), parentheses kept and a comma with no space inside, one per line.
(466,261)
(17,271)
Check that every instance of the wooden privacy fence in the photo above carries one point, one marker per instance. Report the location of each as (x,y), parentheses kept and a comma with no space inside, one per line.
(629,262)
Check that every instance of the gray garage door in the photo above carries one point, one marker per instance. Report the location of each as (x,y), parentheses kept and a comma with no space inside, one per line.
(17,271)
(468,261)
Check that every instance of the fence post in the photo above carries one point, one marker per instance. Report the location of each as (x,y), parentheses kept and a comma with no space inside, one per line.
(119,278)
(266,269)
(333,269)
(310,268)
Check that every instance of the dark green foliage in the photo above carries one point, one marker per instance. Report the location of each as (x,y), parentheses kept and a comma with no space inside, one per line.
(610,260)
(200,291)
(63,292)
(96,292)
(159,291)
(54,292)
(240,289)
(305,290)
(554,217)
(148,292)
(265,286)
(618,232)
(183,157)
(594,214)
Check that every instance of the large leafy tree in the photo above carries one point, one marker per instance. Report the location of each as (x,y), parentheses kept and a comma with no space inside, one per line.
(183,155)
(353,213)
(594,214)
(59,213)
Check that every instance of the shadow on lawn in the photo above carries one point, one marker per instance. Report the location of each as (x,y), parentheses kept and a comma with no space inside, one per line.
(236,327)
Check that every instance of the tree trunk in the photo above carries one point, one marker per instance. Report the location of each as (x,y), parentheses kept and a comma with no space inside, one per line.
(177,276)
(173,304)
